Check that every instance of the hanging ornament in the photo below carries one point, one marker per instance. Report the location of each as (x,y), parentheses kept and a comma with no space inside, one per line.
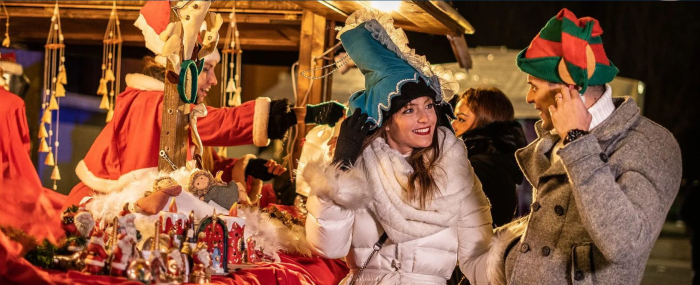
(43,146)
(110,114)
(102,90)
(54,80)
(110,83)
(62,78)
(55,175)
(46,118)
(42,132)
(60,90)
(53,104)
(230,86)
(6,41)
(104,104)
(231,63)
(109,75)
(49,159)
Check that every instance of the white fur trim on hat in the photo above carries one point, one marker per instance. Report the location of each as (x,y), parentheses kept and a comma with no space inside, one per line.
(144,82)
(260,121)
(153,41)
(11,68)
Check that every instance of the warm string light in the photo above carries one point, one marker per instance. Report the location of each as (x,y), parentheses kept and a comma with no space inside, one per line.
(111,63)
(55,79)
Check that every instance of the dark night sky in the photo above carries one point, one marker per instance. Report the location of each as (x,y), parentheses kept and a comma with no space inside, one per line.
(656,42)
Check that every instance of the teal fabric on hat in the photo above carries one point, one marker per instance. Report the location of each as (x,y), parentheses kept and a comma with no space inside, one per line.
(385,72)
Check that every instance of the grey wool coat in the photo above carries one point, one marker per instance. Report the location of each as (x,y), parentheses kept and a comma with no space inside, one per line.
(599,209)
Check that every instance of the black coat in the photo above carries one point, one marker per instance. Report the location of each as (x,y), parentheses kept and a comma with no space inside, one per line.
(491,151)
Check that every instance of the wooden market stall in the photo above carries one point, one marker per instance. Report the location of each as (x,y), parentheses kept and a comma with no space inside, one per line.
(304,26)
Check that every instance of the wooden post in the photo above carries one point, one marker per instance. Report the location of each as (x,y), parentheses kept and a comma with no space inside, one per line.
(312,43)
(173,132)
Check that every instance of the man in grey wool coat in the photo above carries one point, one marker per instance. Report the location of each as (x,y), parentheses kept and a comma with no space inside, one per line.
(603,176)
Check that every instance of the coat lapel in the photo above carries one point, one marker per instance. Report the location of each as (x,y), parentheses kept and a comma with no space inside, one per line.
(533,159)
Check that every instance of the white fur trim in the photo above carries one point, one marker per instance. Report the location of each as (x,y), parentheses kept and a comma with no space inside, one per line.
(153,41)
(144,82)
(103,185)
(11,68)
(344,188)
(260,121)
(503,236)
(119,265)
(94,262)
(271,235)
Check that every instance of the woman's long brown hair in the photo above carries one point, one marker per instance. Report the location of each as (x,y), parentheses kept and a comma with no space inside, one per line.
(421,184)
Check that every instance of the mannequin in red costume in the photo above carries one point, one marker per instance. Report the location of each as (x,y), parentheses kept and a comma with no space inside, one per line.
(20,185)
(127,147)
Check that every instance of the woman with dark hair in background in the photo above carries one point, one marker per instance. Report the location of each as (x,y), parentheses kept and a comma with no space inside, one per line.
(485,123)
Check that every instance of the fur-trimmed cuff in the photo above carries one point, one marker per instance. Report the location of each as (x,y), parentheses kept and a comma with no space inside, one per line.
(503,236)
(347,189)
(260,121)
(104,185)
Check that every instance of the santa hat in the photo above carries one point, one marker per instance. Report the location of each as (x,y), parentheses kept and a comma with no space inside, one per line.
(153,18)
(568,50)
(97,236)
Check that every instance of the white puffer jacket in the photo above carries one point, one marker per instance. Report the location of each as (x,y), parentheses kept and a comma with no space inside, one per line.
(349,211)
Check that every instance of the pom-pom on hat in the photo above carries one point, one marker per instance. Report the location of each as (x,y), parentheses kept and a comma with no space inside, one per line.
(568,50)
(382,54)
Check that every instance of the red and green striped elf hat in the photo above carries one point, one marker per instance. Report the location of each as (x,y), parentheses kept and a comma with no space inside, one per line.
(569,51)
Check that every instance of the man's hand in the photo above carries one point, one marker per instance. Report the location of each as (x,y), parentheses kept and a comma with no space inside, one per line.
(570,112)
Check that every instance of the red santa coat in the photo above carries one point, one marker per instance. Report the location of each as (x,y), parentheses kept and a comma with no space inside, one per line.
(128,145)
(20,185)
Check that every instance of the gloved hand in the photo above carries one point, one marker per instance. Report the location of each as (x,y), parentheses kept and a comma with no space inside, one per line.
(326,113)
(263,169)
(352,134)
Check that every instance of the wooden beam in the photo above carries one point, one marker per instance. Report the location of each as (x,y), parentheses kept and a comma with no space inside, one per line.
(312,44)
(445,14)
(461,51)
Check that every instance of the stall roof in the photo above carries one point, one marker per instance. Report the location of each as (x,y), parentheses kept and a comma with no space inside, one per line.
(263,25)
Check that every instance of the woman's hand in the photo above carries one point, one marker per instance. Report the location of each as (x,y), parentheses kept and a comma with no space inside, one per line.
(353,132)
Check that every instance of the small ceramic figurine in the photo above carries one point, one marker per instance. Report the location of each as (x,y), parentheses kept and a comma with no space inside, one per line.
(126,223)
(95,260)
(174,264)
(122,254)
(202,261)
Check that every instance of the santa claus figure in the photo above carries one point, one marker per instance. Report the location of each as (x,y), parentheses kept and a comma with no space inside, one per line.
(96,254)
(122,254)
(202,261)
(175,264)
(126,223)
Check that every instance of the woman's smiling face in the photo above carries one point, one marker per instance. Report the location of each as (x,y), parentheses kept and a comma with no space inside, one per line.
(412,126)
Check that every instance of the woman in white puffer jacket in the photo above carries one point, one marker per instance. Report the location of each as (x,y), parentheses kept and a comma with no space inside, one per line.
(410,178)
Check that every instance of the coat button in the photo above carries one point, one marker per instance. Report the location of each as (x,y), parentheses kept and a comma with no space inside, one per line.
(559,210)
(536,206)
(604,157)
(524,248)
(578,275)
(545,251)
